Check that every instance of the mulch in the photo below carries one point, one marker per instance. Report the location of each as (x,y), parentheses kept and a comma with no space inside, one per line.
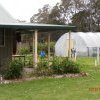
(76,75)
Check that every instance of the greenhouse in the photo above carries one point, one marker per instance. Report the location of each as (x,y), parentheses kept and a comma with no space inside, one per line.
(85,44)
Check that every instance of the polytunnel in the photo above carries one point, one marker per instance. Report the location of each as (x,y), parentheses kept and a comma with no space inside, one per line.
(85,44)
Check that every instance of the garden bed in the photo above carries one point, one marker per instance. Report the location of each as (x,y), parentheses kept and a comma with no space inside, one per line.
(82,74)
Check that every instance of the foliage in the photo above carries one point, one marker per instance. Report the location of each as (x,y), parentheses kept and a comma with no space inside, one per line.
(84,14)
(24,50)
(42,15)
(57,89)
(47,15)
(56,66)
(43,69)
(80,20)
(65,66)
(44,47)
(14,70)
(55,17)
(70,66)
(29,61)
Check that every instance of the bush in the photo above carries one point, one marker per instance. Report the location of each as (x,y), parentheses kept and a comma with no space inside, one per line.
(24,50)
(56,66)
(43,69)
(29,61)
(64,66)
(14,70)
(44,47)
(70,66)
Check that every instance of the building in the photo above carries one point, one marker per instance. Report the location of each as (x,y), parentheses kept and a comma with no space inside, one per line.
(8,30)
(85,43)
(6,37)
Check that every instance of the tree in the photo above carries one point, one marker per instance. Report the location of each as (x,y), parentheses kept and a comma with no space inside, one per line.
(96,13)
(71,7)
(81,20)
(42,16)
(88,19)
(55,17)
(47,15)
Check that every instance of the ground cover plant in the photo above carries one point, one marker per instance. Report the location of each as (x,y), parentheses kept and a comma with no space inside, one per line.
(81,88)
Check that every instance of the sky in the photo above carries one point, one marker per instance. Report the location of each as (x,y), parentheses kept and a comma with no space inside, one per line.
(24,9)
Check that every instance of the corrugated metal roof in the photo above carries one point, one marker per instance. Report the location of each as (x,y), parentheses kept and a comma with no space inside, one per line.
(40,27)
(5,17)
(6,21)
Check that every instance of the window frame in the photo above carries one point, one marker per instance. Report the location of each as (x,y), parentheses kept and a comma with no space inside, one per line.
(3,45)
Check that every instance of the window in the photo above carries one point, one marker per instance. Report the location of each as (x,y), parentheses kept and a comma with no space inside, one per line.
(2,37)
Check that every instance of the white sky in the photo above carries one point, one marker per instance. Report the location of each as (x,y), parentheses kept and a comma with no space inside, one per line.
(24,9)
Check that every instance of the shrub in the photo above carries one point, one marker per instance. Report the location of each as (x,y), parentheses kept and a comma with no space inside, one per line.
(70,66)
(14,70)
(43,69)
(29,61)
(44,47)
(24,50)
(56,66)
(64,66)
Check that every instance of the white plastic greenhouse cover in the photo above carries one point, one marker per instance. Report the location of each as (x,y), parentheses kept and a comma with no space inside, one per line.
(82,41)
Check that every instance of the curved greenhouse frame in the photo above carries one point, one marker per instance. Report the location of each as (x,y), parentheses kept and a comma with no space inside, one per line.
(86,44)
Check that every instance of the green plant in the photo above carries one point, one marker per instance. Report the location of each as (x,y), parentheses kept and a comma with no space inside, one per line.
(79,88)
(56,66)
(70,66)
(29,61)
(64,66)
(14,70)
(44,47)
(43,69)
(24,50)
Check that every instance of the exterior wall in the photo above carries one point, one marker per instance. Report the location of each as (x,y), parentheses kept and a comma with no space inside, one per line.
(6,51)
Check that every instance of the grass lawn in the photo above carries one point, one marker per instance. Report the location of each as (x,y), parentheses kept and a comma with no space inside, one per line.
(57,89)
